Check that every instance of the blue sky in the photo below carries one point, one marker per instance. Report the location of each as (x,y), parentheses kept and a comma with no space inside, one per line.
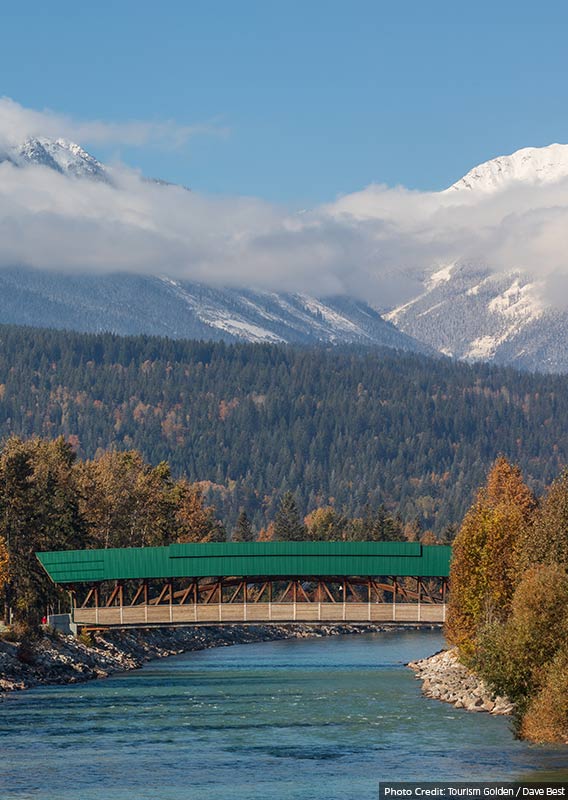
(299,102)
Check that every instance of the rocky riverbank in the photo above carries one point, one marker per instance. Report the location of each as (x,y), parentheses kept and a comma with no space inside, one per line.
(60,659)
(444,678)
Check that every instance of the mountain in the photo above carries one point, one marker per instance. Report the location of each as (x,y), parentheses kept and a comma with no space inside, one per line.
(463,309)
(60,155)
(531,165)
(469,311)
(133,304)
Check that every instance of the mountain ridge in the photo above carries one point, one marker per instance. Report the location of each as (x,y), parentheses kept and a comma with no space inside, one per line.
(529,165)
(463,310)
(135,304)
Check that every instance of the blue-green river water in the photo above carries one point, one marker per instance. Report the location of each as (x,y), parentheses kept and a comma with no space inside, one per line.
(319,719)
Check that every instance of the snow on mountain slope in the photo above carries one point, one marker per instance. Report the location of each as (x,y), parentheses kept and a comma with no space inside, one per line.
(65,157)
(531,165)
(472,312)
(463,309)
(132,304)
(145,304)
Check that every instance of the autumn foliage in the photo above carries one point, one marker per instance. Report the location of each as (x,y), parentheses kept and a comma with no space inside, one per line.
(508,612)
(484,569)
(49,500)
(4,563)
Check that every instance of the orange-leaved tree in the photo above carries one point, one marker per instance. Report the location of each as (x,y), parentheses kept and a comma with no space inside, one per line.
(196,521)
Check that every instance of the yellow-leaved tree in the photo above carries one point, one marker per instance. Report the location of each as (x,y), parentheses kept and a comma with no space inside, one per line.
(483,572)
(325,525)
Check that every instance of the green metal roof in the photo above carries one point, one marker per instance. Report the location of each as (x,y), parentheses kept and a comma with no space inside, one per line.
(254,559)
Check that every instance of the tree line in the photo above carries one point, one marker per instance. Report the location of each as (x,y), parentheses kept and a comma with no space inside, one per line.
(52,500)
(508,612)
(342,427)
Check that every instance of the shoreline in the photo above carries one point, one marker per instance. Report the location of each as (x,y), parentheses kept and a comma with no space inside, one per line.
(445,678)
(57,659)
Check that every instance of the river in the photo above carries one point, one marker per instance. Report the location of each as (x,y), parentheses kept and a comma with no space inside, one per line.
(317,719)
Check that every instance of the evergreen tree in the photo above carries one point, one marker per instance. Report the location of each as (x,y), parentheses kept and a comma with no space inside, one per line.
(243,530)
(288,525)
(341,427)
(448,534)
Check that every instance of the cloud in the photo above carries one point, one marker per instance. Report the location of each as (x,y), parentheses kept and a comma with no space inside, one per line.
(522,227)
(50,221)
(377,244)
(17,123)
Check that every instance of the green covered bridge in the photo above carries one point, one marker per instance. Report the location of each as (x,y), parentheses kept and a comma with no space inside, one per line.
(254,582)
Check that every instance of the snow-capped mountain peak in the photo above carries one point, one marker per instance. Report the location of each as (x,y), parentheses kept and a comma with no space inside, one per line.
(531,165)
(60,155)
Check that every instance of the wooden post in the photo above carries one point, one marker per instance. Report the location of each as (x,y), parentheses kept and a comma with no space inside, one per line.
(121,601)
(369,609)
(294,598)
(394,586)
(245,598)
(145,601)
(269,601)
(344,596)
(97,605)
(419,590)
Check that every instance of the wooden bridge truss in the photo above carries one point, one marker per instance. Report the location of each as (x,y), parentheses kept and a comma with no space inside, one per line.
(264,599)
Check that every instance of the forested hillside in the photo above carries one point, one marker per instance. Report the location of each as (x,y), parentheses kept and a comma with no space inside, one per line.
(345,427)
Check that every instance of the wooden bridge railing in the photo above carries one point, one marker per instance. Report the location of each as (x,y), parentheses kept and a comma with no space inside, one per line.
(226,613)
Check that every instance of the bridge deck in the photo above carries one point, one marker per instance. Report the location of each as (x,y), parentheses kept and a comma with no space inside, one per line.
(215,613)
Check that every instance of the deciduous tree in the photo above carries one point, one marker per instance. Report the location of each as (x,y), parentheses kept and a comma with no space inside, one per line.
(484,566)
(196,521)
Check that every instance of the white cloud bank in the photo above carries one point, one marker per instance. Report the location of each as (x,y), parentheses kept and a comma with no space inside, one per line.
(18,123)
(377,244)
